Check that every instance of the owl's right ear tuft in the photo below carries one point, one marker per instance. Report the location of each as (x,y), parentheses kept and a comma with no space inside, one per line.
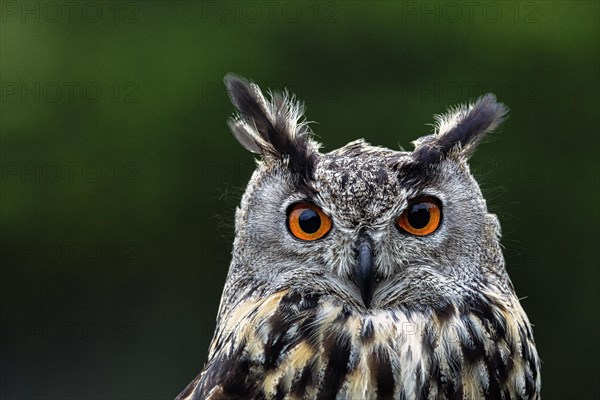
(276,129)
(460,130)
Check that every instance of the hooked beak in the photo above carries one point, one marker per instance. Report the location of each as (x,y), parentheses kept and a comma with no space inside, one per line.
(364,274)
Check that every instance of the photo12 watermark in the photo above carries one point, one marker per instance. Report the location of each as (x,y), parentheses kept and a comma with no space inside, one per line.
(269,12)
(469,12)
(69,172)
(69,92)
(323,92)
(68,332)
(69,12)
(68,252)
(520,173)
(459,91)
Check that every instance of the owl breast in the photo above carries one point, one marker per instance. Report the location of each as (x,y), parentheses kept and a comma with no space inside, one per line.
(291,345)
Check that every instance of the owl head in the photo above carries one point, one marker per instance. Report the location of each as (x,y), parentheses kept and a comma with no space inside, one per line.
(368,226)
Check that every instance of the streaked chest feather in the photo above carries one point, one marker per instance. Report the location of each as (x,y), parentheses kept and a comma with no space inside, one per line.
(294,346)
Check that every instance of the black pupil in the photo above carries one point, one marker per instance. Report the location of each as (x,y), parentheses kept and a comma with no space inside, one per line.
(309,221)
(418,216)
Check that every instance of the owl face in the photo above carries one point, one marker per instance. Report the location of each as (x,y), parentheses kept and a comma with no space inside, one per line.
(371,227)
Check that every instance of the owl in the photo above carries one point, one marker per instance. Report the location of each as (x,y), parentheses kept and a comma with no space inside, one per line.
(365,272)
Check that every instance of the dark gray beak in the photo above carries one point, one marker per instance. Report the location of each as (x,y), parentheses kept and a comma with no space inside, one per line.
(364,274)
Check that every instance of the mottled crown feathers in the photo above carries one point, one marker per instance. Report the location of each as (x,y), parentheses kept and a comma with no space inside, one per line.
(276,128)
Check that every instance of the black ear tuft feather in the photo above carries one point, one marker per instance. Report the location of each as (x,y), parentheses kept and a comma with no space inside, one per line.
(251,105)
(459,131)
(275,128)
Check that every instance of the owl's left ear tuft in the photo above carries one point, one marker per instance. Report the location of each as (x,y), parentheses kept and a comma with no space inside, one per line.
(459,131)
(274,128)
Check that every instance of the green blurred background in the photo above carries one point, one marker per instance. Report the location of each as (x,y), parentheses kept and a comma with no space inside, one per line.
(120,178)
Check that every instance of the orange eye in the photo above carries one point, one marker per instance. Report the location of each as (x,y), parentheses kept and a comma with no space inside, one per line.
(307,222)
(422,216)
